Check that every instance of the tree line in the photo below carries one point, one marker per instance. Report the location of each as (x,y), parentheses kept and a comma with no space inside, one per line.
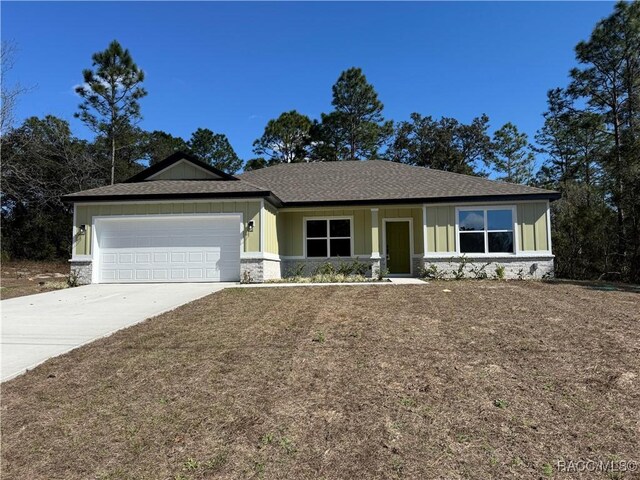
(589,144)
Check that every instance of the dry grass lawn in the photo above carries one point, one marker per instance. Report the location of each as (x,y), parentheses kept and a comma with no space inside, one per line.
(491,380)
(21,278)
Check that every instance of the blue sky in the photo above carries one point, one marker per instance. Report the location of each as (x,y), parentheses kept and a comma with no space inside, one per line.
(231,67)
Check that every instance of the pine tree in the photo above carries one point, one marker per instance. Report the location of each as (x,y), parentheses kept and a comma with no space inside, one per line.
(285,139)
(214,149)
(111,94)
(356,129)
(513,156)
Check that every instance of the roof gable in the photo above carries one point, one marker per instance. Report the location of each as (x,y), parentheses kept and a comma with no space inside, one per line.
(180,166)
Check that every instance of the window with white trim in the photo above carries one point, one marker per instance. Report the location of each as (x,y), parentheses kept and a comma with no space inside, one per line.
(328,237)
(485,230)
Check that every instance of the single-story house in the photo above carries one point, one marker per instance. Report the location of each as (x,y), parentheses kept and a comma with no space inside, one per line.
(182,220)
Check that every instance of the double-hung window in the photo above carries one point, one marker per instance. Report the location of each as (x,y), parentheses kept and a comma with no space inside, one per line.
(486,230)
(328,237)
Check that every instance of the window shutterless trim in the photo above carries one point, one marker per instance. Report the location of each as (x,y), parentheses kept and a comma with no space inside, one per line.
(486,231)
(328,238)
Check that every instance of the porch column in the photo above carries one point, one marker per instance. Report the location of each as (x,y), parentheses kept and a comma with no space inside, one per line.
(375,244)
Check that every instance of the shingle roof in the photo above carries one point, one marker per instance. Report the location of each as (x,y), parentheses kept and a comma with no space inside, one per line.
(170,189)
(349,182)
(377,180)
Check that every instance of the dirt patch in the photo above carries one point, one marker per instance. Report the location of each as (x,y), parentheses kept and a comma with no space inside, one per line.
(488,380)
(26,278)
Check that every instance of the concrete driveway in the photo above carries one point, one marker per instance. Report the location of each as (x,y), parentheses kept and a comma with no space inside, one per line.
(38,327)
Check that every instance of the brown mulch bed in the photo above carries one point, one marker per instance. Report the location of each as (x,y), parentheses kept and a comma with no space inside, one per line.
(489,380)
(21,278)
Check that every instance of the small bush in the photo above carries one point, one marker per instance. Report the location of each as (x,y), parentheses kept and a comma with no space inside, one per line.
(383,272)
(459,272)
(326,268)
(296,271)
(479,272)
(432,272)
(500,272)
(73,279)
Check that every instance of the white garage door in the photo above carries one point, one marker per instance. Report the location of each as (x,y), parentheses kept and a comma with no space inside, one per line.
(168,249)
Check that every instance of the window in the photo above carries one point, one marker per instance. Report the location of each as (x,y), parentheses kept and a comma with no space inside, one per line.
(485,230)
(329,238)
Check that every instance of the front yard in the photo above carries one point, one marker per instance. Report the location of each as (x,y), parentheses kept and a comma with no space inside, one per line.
(23,277)
(488,380)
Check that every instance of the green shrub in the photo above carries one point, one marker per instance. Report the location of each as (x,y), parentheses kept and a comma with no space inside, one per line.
(296,271)
(432,272)
(72,279)
(459,272)
(479,272)
(500,272)
(383,272)
(326,268)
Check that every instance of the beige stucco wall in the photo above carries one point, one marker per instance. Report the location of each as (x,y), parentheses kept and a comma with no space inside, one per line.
(250,210)
(531,232)
(183,171)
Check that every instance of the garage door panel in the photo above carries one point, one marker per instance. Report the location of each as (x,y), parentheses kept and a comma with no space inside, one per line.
(143,258)
(195,257)
(161,274)
(142,274)
(125,258)
(161,257)
(174,249)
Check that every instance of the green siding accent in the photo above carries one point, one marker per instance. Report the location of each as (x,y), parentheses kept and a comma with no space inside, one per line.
(365,235)
(531,232)
(532,226)
(183,171)
(271,221)
(84,214)
(283,233)
(441,229)
(291,228)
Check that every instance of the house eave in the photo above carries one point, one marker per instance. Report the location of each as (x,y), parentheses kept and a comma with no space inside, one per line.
(551,196)
(170,196)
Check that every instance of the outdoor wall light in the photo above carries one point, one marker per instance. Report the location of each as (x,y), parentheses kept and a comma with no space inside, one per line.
(250,226)
(83,229)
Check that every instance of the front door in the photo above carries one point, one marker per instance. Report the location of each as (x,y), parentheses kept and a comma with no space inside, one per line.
(398,248)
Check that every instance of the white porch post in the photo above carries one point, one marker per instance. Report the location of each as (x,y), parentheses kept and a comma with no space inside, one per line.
(375,243)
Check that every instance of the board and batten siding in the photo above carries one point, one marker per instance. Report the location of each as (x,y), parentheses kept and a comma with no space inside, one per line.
(531,232)
(271,220)
(532,226)
(84,213)
(291,228)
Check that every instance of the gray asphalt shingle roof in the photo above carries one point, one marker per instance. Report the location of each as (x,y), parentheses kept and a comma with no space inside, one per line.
(171,187)
(374,180)
(326,182)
